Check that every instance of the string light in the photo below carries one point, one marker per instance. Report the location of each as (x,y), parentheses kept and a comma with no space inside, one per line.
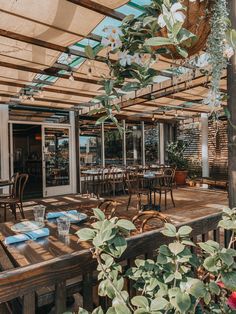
(89,71)
(71,76)
(32,98)
(69,58)
(153,117)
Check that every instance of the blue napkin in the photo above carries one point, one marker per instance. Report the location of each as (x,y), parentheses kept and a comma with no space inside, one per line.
(32,235)
(54,215)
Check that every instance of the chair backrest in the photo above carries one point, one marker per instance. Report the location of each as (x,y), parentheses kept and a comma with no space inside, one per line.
(20,185)
(14,179)
(142,219)
(131,181)
(108,206)
(169,174)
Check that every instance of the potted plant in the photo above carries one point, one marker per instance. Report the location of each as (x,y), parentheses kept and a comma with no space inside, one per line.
(175,151)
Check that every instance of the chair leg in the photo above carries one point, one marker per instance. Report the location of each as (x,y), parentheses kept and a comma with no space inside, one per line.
(165,200)
(139,202)
(130,196)
(5,213)
(172,198)
(159,198)
(21,210)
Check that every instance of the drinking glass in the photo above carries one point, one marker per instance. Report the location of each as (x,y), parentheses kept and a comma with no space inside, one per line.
(63,225)
(39,213)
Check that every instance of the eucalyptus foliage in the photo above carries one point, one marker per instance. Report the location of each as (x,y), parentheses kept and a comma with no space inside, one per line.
(183,278)
(139,42)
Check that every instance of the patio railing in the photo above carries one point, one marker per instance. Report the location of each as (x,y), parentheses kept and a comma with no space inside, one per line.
(30,284)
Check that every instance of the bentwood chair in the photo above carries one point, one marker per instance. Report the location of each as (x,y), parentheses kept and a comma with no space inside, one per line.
(108,206)
(165,185)
(12,192)
(141,220)
(132,184)
(15,200)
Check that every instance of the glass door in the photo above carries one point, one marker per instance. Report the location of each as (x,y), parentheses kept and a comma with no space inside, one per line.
(56,161)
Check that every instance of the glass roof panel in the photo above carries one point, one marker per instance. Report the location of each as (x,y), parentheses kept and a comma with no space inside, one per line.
(127,10)
(106,22)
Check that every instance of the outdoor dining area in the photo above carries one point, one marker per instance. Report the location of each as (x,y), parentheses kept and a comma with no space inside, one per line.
(117,157)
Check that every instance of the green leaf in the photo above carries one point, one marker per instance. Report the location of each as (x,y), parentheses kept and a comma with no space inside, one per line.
(99,214)
(197,288)
(158,303)
(214,288)
(89,52)
(140,301)
(207,248)
(183,302)
(98,310)
(176,247)
(176,28)
(121,308)
(101,120)
(170,230)
(226,258)
(182,52)
(125,224)
(86,234)
(210,264)
(158,41)
(229,280)
(184,231)
(83,311)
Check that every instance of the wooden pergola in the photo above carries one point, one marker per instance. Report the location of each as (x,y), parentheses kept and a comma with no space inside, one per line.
(43,63)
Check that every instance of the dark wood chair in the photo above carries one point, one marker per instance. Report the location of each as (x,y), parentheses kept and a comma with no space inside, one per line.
(109,206)
(16,199)
(165,186)
(12,191)
(132,184)
(141,220)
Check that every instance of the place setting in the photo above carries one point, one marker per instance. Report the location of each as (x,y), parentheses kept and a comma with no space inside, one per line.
(26,230)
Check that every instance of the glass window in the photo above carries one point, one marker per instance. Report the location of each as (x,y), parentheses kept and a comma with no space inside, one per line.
(113,147)
(151,144)
(133,145)
(90,150)
(56,154)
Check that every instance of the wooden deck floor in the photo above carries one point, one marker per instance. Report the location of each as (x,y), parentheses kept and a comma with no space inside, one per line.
(191,203)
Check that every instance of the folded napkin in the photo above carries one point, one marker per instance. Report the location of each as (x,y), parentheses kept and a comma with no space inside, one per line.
(54,215)
(32,235)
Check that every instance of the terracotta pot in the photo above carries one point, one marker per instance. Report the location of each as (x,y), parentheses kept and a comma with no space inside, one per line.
(180,177)
(197,22)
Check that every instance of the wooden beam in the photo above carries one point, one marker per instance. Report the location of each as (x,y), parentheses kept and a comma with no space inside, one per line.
(173,97)
(99,8)
(49,71)
(58,101)
(231,83)
(90,36)
(47,45)
(46,89)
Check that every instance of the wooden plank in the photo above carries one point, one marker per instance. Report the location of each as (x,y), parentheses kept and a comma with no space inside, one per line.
(49,71)
(99,8)
(46,89)
(45,44)
(51,26)
(87,291)
(29,303)
(67,266)
(60,297)
(231,81)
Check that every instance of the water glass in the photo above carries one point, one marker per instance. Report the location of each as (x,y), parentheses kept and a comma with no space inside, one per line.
(63,225)
(39,213)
